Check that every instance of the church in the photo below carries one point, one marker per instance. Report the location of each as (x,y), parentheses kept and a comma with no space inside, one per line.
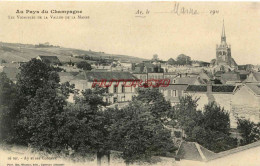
(224,61)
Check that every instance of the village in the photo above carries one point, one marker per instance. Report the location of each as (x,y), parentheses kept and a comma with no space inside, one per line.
(234,87)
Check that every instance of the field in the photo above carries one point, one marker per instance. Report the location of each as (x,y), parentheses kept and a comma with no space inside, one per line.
(24,52)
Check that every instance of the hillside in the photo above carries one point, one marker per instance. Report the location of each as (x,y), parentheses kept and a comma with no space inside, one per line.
(24,52)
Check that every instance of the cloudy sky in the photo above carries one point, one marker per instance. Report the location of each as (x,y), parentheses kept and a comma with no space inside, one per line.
(114,28)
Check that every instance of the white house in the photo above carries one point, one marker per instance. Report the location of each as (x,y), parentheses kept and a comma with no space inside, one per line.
(220,94)
(118,87)
(245,102)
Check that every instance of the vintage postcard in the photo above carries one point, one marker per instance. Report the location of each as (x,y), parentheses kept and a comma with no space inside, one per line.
(129,83)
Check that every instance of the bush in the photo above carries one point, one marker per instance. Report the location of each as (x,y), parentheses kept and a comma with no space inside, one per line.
(84,65)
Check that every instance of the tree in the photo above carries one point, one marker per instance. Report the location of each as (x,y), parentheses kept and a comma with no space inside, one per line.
(156,102)
(209,127)
(84,124)
(138,134)
(183,60)
(34,75)
(33,79)
(186,115)
(171,61)
(40,121)
(249,131)
(8,114)
(213,61)
(216,118)
(84,65)
(211,139)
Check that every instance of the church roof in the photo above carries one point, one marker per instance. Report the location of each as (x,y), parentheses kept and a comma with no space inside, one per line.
(223,30)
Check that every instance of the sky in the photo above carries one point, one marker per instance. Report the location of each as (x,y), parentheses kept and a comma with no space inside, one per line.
(113,27)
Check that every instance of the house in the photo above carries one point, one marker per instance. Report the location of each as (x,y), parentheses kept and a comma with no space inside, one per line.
(53,60)
(188,80)
(243,75)
(230,78)
(116,89)
(155,75)
(191,153)
(220,94)
(141,76)
(253,77)
(245,103)
(67,76)
(146,67)
(173,92)
(126,65)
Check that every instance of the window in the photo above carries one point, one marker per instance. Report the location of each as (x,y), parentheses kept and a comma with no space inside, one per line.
(115,99)
(107,90)
(174,93)
(123,98)
(115,88)
(123,89)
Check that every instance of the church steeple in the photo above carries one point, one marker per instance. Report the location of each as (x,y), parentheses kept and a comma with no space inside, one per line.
(223,36)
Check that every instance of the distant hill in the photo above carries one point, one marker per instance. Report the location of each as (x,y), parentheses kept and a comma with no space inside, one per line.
(24,52)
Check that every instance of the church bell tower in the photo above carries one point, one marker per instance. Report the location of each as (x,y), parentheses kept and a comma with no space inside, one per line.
(223,50)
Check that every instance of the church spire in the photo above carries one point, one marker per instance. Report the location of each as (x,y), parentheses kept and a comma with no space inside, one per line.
(223,36)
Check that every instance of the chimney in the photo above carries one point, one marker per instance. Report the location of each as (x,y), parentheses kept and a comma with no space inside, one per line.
(209,87)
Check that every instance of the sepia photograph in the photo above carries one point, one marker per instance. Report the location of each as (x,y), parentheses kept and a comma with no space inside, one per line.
(129,83)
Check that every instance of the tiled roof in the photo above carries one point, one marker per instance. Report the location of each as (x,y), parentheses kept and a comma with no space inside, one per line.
(230,77)
(193,151)
(235,150)
(223,88)
(215,88)
(186,80)
(92,75)
(67,76)
(196,152)
(257,75)
(197,88)
(255,87)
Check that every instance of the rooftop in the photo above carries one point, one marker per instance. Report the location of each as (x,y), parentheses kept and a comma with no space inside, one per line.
(193,151)
(255,87)
(231,76)
(100,75)
(235,150)
(215,88)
